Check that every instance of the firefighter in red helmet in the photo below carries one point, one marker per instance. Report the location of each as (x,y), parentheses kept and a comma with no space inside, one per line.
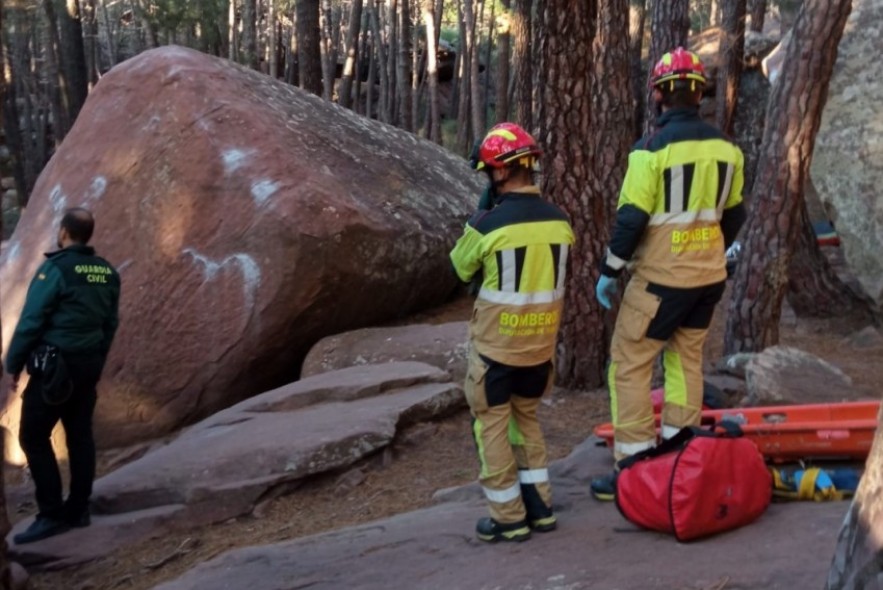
(519,247)
(679,209)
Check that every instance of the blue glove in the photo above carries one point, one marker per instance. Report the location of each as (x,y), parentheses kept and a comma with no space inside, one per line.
(604,290)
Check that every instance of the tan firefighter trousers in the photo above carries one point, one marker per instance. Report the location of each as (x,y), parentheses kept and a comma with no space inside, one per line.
(510,444)
(632,355)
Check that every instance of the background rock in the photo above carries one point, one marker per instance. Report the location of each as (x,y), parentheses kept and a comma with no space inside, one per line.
(784,375)
(444,346)
(847,165)
(868,337)
(248,220)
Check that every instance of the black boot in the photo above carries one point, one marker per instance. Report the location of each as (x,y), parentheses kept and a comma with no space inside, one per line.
(492,531)
(540,517)
(604,487)
(43,527)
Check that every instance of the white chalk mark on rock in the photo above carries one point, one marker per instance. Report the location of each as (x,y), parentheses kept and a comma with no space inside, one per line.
(234,159)
(95,190)
(251,271)
(263,190)
(57,199)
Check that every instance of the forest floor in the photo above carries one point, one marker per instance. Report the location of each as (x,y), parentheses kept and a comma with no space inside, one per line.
(389,485)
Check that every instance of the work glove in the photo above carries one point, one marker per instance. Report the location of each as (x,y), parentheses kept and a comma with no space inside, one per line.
(604,290)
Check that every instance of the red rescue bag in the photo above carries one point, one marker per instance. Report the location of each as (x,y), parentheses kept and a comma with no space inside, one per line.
(695,484)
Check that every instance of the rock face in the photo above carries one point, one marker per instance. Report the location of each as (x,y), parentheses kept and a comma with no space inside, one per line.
(847,166)
(784,375)
(444,346)
(222,467)
(248,220)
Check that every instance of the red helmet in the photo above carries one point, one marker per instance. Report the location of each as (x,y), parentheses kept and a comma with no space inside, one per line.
(504,144)
(679,64)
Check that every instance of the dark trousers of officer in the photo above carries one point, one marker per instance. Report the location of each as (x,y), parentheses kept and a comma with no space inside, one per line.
(38,418)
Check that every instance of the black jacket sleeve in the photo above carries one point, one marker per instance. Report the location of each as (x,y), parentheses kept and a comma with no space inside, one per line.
(627,232)
(731,222)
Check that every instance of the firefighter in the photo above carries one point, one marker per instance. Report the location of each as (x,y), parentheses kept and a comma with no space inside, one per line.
(680,208)
(519,247)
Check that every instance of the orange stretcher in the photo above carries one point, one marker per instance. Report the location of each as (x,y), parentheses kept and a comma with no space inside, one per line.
(787,433)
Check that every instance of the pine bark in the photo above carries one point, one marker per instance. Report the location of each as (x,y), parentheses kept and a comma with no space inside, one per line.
(404,66)
(72,54)
(383,99)
(669,26)
(90,40)
(351,51)
(309,57)
(578,113)
(273,40)
(774,223)
(478,124)
(637,20)
(729,72)
(463,86)
(522,32)
(392,60)
(757,11)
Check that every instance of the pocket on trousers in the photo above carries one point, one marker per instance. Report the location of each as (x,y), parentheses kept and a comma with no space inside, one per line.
(476,396)
(638,309)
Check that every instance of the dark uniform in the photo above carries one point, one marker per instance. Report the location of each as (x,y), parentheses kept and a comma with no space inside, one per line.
(72,304)
(679,209)
(521,248)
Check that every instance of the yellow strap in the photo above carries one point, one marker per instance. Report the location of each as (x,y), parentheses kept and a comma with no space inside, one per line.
(807,488)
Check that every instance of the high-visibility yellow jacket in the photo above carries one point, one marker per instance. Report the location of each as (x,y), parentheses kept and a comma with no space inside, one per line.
(680,206)
(521,247)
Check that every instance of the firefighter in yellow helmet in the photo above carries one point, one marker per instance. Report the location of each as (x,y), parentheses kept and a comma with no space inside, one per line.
(679,209)
(519,247)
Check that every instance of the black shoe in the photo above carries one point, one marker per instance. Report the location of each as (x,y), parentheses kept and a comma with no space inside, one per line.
(539,516)
(492,531)
(81,521)
(545,524)
(604,487)
(43,527)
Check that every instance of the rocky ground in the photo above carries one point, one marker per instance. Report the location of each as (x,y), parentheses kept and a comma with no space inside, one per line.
(430,457)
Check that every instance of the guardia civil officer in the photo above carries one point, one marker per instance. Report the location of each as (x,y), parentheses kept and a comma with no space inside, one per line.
(679,209)
(518,245)
(63,337)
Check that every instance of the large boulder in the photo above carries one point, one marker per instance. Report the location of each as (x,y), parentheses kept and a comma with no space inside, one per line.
(847,166)
(248,220)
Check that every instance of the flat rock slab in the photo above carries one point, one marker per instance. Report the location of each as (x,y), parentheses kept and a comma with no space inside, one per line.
(785,375)
(594,548)
(221,467)
(445,346)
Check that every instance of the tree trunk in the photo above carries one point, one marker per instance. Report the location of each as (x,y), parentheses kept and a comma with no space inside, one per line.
(309,58)
(5,573)
(522,30)
(418,70)
(90,41)
(434,125)
(488,58)
(250,34)
(729,72)
(351,47)
(503,57)
(814,289)
(231,30)
(464,138)
(669,25)
(714,13)
(637,18)
(109,33)
(327,27)
(392,54)
(372,66)
(774,223)
(383,107)
(364,49)
(403,64)
(54,74)
(73,59)
(273,40)
(757,11)
(478,125)
(566,115)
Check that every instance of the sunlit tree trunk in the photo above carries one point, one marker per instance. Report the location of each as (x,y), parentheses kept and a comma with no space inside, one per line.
(774,223)
(249,47)
(383,108)
(478,124)
(392,60)
(404,66)
(90,40)
(503,57)
(464,86)
(434,125)
(273,40)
